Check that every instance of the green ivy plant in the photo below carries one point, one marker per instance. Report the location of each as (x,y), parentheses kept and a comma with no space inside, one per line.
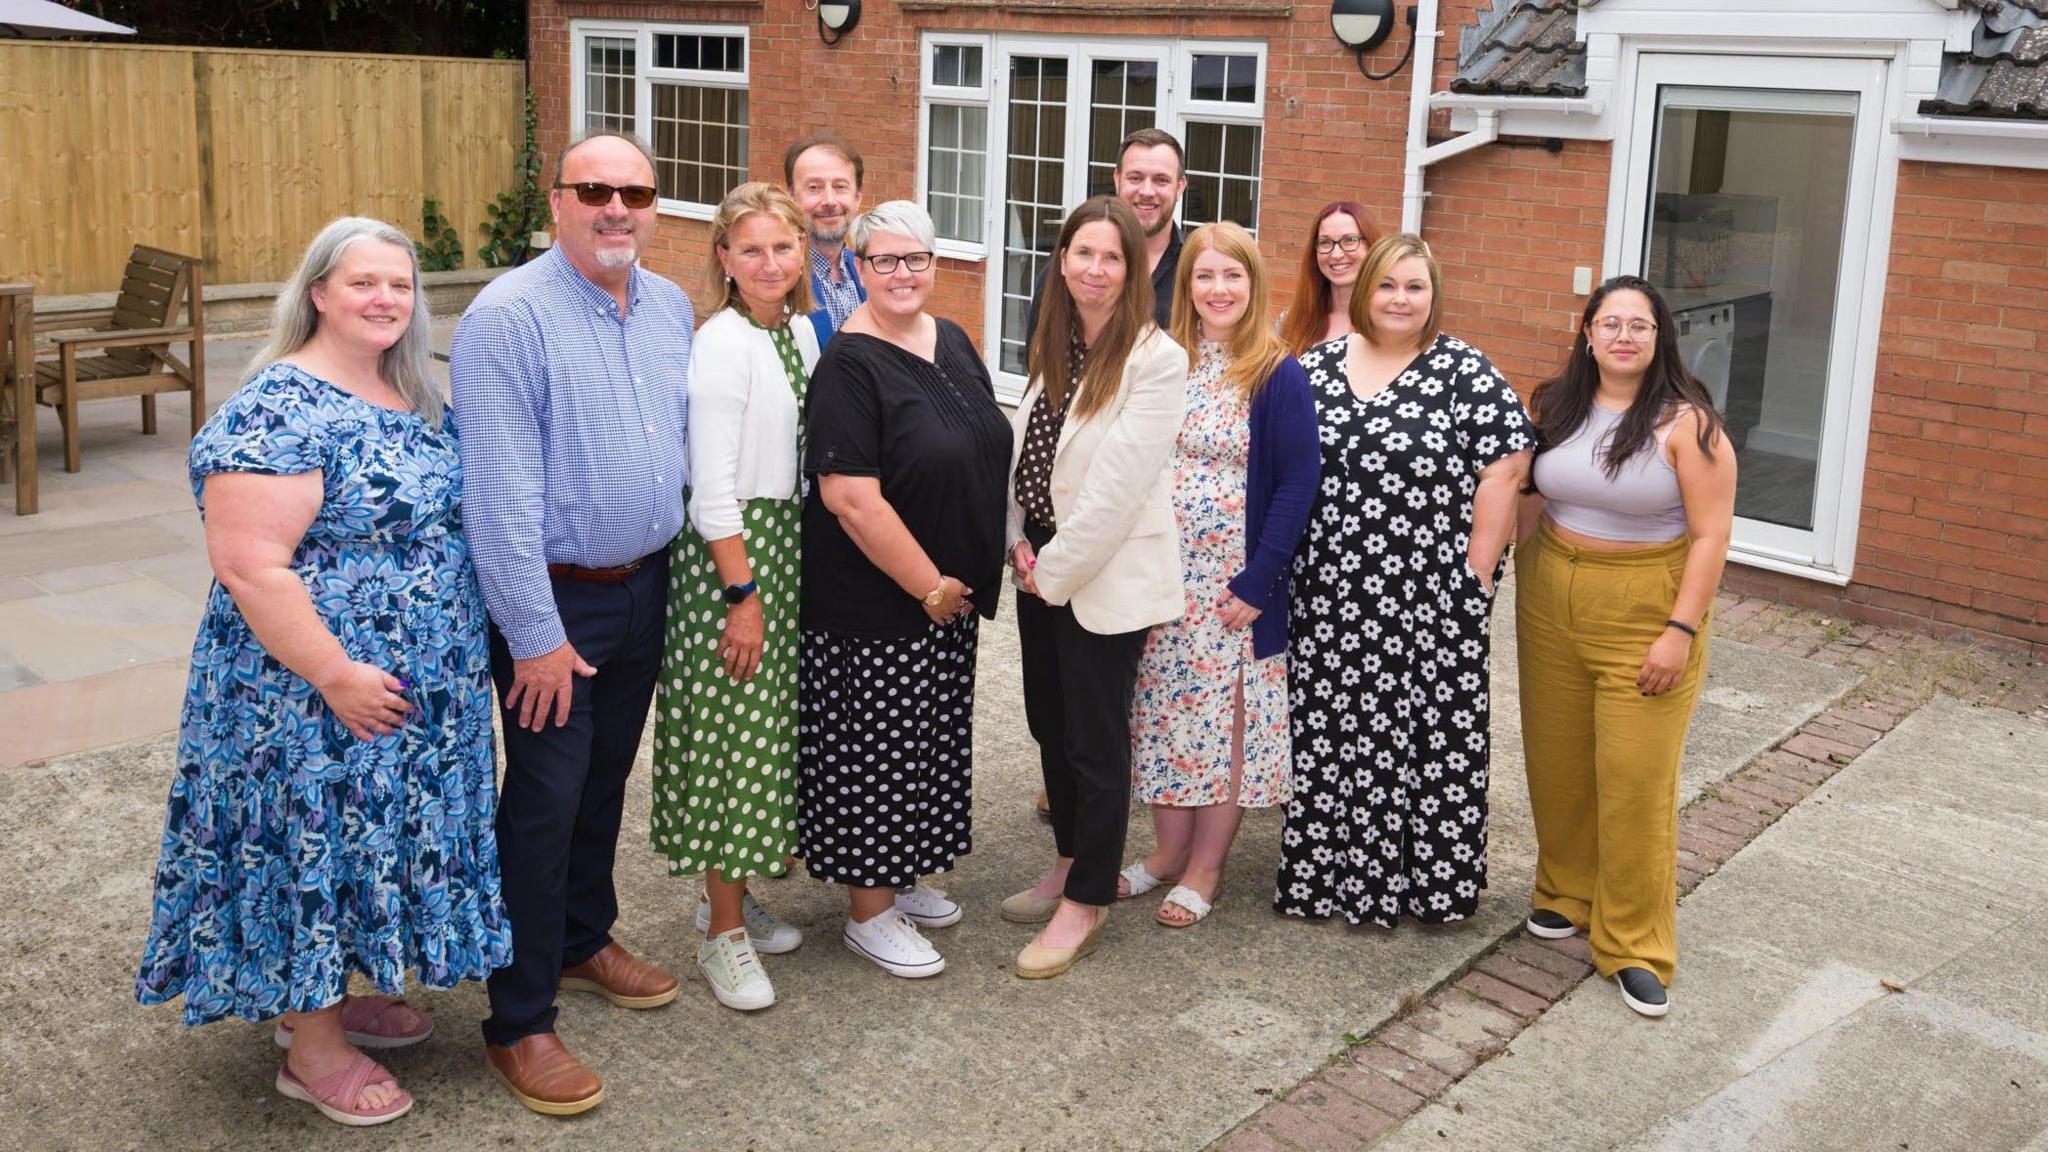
(518,214)
(440,248)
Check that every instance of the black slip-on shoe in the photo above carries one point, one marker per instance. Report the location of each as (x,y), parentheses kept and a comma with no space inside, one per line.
(1549,925)
(1641,991)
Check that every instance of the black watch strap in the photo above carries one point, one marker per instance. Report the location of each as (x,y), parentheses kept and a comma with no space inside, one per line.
(737,593)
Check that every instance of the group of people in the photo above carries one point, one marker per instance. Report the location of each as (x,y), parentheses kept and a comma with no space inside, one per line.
(1253,561)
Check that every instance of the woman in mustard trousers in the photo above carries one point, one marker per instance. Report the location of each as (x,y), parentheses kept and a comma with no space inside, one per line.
(1625,533)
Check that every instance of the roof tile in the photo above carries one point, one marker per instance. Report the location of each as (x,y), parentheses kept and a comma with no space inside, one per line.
(1523,48)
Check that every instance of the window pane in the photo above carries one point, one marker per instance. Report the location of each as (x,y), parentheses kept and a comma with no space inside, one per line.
(1035,169)
(946,65)
(608,84)
(970,65)
(1224,167)
(1232,79)
(1125,99)
(700,141)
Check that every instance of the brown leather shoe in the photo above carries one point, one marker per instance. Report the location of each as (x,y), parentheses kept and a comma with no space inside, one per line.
(544,1076)
(622,978)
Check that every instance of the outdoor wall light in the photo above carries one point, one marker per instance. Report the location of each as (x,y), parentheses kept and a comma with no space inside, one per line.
(836,18)
(1363,25)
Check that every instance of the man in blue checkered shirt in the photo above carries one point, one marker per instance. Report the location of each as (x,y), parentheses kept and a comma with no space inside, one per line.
(569,381)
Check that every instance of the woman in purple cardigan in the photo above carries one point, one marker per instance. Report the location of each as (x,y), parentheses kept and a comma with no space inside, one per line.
(1209,720)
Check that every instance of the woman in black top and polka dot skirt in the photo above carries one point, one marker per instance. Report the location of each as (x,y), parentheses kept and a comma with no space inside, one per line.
(903,552)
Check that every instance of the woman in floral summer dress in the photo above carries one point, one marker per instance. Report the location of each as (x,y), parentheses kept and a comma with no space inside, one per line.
(1209,718)
(725,703)
(336,781)
(1424,451)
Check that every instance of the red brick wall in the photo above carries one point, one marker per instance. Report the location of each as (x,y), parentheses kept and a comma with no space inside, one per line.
(1955,491)
(1322,118)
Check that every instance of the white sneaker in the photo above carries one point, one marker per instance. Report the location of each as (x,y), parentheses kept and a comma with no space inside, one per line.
(734,972)
(927,906)
(893,943)
(771,937)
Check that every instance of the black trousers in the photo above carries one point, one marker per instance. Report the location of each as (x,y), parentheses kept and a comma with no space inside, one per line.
(564,789)
(1077,702)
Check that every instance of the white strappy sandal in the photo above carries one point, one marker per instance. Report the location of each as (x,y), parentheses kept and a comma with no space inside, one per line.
(1139,880)
(1189,901)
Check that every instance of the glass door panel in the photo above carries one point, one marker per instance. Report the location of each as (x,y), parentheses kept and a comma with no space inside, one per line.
(1034,176)
(1749,194)
(1123,97)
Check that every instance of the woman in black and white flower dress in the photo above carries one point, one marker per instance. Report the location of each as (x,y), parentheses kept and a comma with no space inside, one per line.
(1425,448)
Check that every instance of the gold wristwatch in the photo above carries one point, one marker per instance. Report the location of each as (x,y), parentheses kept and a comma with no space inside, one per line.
(936,596)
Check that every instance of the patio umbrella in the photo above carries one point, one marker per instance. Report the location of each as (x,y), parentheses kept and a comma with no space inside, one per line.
(35,18)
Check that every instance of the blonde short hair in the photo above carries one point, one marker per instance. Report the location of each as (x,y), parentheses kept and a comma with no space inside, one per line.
(1380,259)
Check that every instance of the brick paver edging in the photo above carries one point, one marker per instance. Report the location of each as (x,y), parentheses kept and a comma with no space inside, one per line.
(1470,1017)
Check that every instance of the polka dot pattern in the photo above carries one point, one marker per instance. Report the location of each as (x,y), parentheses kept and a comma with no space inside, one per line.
(885,784)
(725,751)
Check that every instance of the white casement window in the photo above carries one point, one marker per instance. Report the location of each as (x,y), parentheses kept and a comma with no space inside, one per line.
(954,153)
(682,88)
(1016,130)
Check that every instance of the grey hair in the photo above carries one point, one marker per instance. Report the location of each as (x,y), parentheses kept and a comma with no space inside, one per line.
(903,217)
(292,323)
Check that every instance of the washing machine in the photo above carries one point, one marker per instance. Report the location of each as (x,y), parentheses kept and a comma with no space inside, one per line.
(1706,342)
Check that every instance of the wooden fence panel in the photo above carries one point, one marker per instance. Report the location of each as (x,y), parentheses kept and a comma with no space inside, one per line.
(238,156)
(98,153)
(475,115)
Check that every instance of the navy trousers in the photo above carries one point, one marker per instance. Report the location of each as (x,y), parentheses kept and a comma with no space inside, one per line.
(558,810)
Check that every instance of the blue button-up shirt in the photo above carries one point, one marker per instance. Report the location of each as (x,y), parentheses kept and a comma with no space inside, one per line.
(837,297)
(572,432)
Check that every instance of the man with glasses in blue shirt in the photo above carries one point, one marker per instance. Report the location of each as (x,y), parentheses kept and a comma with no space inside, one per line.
(569,378)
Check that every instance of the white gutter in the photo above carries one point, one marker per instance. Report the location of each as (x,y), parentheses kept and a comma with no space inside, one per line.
(1570,106)
(1411,200)
(1979,128)
(1422,78)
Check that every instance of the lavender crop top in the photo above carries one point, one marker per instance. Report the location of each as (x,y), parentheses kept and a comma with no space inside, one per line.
(1641,504)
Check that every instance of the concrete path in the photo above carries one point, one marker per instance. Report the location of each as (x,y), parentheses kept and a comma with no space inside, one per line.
(1164,1040)
(1868,974)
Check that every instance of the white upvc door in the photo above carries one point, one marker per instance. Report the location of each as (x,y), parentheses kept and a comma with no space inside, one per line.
(1755,197)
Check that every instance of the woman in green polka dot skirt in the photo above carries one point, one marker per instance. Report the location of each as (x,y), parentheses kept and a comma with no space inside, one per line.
(725,706)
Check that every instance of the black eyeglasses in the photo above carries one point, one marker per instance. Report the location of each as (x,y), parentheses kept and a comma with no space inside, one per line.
(592,194)
(886,262)
(1348,243)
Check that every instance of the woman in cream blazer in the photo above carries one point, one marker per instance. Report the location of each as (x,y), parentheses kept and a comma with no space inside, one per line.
(1095,555)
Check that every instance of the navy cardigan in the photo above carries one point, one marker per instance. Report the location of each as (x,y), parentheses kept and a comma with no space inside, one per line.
(1280,488)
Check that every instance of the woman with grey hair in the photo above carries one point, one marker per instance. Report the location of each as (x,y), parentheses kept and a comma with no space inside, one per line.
(332,809)
(903,546)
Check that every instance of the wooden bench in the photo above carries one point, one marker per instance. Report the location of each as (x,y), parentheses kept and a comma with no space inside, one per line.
(123,351)
(17,394)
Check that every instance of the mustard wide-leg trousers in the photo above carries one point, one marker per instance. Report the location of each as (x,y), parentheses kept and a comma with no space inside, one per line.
(1602,757)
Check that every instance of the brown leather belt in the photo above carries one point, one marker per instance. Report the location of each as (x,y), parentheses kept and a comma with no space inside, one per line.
(582,575)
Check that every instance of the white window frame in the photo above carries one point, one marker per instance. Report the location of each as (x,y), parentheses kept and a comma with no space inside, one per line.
(1176,110)
(1221,111)
(958,96)
(645,76)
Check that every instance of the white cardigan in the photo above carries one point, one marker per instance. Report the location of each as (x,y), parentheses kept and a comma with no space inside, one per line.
(743,419)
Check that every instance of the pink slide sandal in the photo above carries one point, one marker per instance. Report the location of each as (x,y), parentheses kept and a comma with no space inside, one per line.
(338,1094)
(368,1023)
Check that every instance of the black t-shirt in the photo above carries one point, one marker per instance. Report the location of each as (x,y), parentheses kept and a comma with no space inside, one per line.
(932,433)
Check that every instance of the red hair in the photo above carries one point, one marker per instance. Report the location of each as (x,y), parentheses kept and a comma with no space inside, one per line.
(1308,316)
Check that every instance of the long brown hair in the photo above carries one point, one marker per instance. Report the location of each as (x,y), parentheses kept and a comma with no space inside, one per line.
(1386,252)
(1255,350)
(1308,317)
(1102,371)
(1561,403)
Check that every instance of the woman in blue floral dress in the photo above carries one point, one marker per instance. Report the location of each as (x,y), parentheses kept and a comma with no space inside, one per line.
(332,811)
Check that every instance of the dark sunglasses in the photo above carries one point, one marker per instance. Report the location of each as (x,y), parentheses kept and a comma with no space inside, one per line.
(592,194)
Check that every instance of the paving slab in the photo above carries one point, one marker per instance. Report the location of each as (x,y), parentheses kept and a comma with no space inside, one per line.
(1163,1040)
(1866,975)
